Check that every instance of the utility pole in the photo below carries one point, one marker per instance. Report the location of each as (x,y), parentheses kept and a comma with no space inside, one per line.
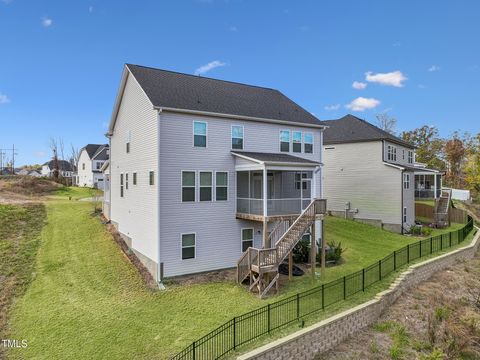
(4,152)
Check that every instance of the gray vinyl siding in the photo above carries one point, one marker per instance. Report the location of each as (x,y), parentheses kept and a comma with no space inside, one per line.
(137,212)
(218,232)
(355,173)
(401,150)
(409,201)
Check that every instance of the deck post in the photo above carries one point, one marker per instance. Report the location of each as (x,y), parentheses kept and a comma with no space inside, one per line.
(323,248)
(290,265)
(313,247)
(265,213)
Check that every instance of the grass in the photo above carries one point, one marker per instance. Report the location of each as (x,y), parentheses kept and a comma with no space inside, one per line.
(429,202)
(75,193)
(20,227)
(90,302)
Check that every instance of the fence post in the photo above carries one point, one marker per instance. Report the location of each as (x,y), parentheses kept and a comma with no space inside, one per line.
(420,248)
(408,253)
(193,348)
(344,288)
(234,333)
(298,305)
(431,247)
(450,235)
(323,296)
(363,279)
(395,260)
(268,318)
(379,269)
(441,242)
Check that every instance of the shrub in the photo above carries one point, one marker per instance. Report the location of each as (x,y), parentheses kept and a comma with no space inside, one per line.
(427,231)
(301,251)
(415,230)
(333,253)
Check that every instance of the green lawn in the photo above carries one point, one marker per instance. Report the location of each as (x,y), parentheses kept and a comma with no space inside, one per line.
(87,301)
(75,192)
(429,202)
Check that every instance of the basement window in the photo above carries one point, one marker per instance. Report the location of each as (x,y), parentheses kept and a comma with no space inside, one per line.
(247,239)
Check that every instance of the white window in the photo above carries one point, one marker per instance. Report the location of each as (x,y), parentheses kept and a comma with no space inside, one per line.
(99,165)
(200,134)
(285,140)
(188,186)
(188,246)
(404,214)
(121,185)
(406,181)
(391,153)
(403,154)
(297,142)
(221,186)
(83,166)
(151,177)
(126,181)
(205,186)
(237,137)
(247,239)
(127,142)
(410,157)
(134,178)
(308,143)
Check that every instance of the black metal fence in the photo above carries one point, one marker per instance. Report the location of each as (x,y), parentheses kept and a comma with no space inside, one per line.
(252,325)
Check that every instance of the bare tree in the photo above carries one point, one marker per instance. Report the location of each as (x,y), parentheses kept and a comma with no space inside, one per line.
(386,123)
(54,148)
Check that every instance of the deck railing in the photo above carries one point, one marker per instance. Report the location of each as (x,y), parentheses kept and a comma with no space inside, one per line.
(275,207)
(254,324)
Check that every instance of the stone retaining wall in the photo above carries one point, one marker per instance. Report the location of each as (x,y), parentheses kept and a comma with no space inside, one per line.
(325,335)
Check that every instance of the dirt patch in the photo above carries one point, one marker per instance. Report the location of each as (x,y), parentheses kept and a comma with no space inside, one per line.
(438,320)
(25,189)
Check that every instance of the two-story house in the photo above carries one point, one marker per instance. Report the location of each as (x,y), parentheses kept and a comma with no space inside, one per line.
(368,174)
(201,169)
(90,161)
(65,168)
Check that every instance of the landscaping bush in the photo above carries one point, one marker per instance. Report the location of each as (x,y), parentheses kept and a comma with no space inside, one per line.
(416,230)
(333,252)
(301,251)
(427,231)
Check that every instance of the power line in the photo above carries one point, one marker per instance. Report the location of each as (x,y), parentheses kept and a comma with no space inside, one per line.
(3,153)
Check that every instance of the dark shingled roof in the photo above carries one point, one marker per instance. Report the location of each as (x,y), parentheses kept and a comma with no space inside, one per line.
(101,153)
(62,165)
(352,129)
(275,157)
(91,149)
(189,92)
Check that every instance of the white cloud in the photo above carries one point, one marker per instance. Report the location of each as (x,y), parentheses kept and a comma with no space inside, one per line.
(394,78)
(332,107)
(4,99)
(211,65)
(361,104)
(359,85)
(47,22)
(434,68)
(90,9)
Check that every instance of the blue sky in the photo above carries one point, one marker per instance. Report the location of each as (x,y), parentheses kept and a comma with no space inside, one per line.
(61,61)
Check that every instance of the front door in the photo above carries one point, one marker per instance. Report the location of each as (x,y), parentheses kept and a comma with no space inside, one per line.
(306,192)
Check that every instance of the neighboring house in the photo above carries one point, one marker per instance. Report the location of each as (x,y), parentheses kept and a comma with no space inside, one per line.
(66,169)
(34,173)
(106,189)
(428,182)
(22,172)
(368,174)
(90,161)
(202,169)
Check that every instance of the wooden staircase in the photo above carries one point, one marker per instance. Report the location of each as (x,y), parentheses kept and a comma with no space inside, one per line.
(261,265)
(442,206)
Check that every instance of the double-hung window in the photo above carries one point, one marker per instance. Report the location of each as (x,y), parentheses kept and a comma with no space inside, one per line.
(297,142)
(391,153)
(134,179)
(151,177)
(410,157)
(126,181)
(308,143)
(237,137)
(188,186)
(285,140)
(406,181)
(127,142)
(121,185)
(188,246)
(404,214)
(200,134)
(247,239)
(221,186)
(205,186)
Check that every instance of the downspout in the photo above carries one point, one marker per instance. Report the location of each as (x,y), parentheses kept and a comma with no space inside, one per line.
(159,263)
(401,212)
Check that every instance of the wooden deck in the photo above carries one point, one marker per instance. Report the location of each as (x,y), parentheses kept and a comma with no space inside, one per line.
(262,218)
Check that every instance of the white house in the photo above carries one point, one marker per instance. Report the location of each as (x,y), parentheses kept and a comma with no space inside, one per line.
(90,161)
(368,174)
(66,169)
(204,171)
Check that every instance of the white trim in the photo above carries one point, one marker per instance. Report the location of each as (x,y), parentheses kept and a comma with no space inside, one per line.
(200,185)
(241,237)
(246,157)
(393,165)
(265,200)
(193,134)
(194,187)
(194,246)
(243,137)
(215,185)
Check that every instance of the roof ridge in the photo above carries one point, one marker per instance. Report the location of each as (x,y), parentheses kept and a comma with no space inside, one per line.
(205,77)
